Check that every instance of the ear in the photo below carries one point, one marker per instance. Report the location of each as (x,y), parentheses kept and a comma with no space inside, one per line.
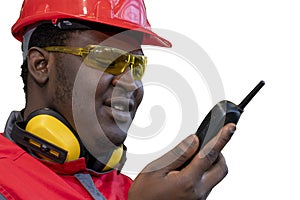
(38,64)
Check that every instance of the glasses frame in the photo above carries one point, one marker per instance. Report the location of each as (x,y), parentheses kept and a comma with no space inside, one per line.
(131,60)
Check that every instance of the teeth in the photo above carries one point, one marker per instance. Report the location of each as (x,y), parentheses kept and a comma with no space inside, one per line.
(119,107)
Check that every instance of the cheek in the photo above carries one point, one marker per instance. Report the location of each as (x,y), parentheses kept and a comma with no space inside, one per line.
(90,88)
(103,88)
(139,93)
(61,82)
(88,85)
(138,97)
(63,86)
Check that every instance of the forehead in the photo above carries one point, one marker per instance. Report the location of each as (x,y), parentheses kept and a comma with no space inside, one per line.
(126,40)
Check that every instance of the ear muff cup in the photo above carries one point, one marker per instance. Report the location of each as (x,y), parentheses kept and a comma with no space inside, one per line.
(48,134)
(53,128)
(114,159)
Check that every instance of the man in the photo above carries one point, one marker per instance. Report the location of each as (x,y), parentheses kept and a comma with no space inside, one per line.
(82,72)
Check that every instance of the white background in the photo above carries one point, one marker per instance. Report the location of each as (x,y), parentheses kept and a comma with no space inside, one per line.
(248,41)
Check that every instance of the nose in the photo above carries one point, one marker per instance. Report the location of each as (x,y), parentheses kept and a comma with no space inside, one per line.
(126,81)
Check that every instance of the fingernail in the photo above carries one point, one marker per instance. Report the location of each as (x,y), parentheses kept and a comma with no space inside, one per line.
(191,141)
(232,128)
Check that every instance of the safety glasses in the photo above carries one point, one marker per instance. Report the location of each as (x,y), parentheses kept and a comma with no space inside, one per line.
(108,59)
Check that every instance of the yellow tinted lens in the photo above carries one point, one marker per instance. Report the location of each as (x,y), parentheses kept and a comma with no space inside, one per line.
(138,68)
(100,58)
(117,67)
(115,61)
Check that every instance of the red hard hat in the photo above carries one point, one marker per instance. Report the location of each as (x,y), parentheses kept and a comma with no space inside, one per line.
(128,14)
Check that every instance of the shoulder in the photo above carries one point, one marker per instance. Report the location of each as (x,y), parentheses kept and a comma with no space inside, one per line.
(113,185)
(9,149)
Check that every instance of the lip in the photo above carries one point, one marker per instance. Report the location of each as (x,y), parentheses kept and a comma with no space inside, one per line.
(120,108)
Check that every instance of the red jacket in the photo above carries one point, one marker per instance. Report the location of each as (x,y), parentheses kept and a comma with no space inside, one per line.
(24,177)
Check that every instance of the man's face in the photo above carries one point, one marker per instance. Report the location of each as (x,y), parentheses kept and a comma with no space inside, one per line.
(100,106)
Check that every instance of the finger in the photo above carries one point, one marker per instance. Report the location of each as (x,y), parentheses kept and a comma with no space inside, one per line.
(208,155)
(214,175)
(211,150)
(176,157)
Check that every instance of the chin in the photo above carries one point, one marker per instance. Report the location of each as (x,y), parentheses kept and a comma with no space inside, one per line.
(116,135)
(114,122)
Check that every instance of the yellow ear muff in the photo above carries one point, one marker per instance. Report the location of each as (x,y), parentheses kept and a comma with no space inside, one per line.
(54,131)
(115,159)
(48,134)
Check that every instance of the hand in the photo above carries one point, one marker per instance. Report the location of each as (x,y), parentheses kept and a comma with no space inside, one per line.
(161,179)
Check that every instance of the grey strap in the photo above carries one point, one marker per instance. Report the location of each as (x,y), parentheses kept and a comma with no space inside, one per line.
(2,197)
(87,182)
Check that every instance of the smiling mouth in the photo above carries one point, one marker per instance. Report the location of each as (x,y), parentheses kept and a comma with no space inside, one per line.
(121,108)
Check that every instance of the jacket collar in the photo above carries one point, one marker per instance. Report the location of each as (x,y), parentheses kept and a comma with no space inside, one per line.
(15,116)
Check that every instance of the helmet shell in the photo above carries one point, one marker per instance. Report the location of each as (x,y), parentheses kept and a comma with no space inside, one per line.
(128,14)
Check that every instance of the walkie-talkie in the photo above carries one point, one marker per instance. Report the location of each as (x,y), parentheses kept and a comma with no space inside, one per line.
(221,114)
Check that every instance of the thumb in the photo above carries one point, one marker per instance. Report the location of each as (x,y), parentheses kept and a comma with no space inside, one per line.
(176,157)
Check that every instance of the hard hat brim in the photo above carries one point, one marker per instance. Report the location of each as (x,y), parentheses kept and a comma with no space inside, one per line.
(150,38)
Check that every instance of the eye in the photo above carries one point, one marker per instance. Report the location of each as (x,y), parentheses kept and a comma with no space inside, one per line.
(96,61)
(138,71)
